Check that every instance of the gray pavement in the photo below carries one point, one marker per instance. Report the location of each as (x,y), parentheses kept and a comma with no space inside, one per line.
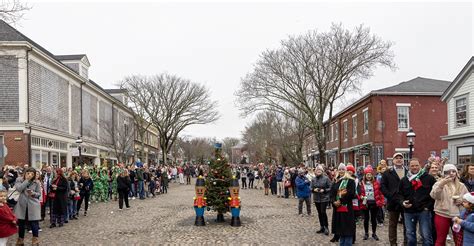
(169,219)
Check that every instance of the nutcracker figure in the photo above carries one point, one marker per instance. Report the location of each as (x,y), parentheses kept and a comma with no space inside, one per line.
(200,201)
(234,202)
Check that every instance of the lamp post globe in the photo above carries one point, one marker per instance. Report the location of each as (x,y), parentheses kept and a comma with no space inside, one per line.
(411,142)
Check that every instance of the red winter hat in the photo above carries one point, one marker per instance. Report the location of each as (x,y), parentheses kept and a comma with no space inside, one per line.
(350,168)
(368,169)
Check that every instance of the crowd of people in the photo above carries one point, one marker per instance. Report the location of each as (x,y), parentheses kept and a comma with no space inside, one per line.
(428,199)
(27,195)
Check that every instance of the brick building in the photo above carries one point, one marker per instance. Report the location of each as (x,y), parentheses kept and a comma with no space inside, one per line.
(48,101)
(375,126)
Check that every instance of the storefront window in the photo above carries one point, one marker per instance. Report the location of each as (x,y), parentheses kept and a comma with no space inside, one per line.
(36,159)
(465,155)
(44,158)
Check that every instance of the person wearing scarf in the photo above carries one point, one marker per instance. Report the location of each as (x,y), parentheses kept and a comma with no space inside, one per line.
(418,205)
(342,193)
(447,192)
(371,201)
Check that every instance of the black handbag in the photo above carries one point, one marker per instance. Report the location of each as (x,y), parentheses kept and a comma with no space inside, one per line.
(12,199)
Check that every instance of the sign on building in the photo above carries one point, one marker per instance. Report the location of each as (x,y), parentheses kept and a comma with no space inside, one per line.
(74,151)
(445,153)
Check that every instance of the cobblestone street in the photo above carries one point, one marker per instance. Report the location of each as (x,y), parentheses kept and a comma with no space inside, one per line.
(169,219)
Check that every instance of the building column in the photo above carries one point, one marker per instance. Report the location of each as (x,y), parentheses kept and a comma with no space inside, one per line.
(69,159)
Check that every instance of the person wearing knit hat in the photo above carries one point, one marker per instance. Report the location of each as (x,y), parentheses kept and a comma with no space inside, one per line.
(350,168)
(341,166)
(447,193)
(372,200)
(342,193)
(341,170)
(466,220)
(368,169)
(303,192)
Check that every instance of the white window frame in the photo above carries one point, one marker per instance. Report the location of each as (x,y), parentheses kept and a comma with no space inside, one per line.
(354,126)
(345,130)
(465,96)
(408,106)
(366,122)
(337,130)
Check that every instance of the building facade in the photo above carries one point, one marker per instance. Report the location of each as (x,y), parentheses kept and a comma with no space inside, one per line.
(47,102)
(459,97)
(375,127)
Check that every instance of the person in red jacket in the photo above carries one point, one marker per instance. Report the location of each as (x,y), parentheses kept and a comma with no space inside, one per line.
(371,200)
(7,218)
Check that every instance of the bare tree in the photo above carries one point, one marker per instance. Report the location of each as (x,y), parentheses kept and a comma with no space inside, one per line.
(119,138)
(132,88)
(309,72)
(273,137)
(173,103)
(197,150)
(11,11)
(227,144)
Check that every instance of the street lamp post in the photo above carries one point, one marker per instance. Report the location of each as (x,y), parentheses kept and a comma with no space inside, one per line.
(411,142)
(312,156)
(79,142)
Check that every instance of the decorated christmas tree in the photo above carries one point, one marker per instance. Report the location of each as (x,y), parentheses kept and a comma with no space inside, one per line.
(218,182)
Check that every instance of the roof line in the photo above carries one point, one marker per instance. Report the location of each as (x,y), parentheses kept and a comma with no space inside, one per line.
(469,65)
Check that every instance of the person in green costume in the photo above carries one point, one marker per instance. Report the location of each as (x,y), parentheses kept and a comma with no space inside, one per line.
(104,189)
(98,185)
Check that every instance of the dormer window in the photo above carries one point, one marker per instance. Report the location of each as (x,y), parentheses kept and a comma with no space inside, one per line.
(79,63)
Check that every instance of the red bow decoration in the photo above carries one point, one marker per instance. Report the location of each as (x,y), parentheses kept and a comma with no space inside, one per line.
(416,184)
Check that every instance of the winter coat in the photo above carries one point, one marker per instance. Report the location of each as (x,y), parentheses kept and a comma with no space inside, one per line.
(343,223)
(123,183)
(321,182)
(420,199)
(251,175)
(132,175)
(389,187)
(279,175)
(469,187)
(26,201)
(60,199)
(467,226)
(7,225)
(72,189)
(303,187)
(443,195)
(85,186)
(164,179)
(379,198)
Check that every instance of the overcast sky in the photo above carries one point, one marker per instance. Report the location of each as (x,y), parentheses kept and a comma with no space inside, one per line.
(216,44)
